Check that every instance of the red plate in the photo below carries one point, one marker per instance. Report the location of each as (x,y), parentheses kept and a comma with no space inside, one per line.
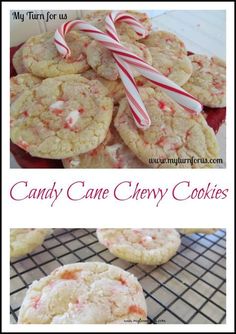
(214,117)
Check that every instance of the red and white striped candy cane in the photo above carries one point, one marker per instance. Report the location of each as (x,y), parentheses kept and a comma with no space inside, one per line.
(123,58)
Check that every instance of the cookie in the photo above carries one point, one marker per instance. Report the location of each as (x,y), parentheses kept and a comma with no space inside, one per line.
(25,240)
(208,81)
(103,63)
(42,59)
(115,88)
(146,246)
(176,67)
(97,19)
(176,137)
(169,56)
(20,83)
(62,117)
(164,40)
(84,293)
(17,61)
(197,230)
(111,153)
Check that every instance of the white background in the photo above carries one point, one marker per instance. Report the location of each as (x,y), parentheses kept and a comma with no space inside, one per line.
(111,213)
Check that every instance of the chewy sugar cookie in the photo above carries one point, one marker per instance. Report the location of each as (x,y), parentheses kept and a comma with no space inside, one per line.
(115,88)
(61,117)
(41,58)
(20,83)
(208,81)
(111,153)
(169,56)
(174,133)
(84,293)
(17,61)
(97,19)
(25,240)
(145,246)
(197,230)
(103,63)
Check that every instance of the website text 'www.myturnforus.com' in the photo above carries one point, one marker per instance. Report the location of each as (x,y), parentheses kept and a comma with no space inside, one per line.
(183,161)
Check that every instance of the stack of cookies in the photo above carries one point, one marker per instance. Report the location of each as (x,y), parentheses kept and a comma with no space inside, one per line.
(75,109)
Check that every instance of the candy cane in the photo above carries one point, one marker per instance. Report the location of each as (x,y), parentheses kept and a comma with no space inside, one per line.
(123,58)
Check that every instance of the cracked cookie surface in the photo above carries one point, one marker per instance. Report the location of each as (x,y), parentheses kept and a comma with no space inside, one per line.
(174,133)
(145,246)
(103,63)
(25,240)
(61,117)
(84,293)
(20,83)
(208,81)
(169,56)
(97,19)
(17,61)
(41,58)
(111,153)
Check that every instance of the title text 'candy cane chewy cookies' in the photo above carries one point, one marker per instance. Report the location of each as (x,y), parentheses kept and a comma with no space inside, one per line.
(111,153)
(41,58)
(145,246)
(25,240)
(97,19)
(197,230)
(20,83)
(103,63)
(174,133)
(208,81)
(84,293)
(169,56)
(61,117)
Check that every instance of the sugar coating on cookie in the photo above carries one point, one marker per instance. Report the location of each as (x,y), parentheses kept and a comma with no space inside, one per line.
(20,83)
(97,19)
(146,246)
(17,61)
(197,230)
(42,59)
(84,293)
(175,66)
(61,117)
(208,81)
(169,56)
(164,40)
(174,133)
(25,240)
(115,88)
(103,63)
(111,153)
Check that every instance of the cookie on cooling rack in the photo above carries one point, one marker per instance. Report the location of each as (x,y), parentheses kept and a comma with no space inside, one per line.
(61,117)
(197,230)
(41,58)
(84,293)
(145,246)
(208,81)
(25,240)
(174,133)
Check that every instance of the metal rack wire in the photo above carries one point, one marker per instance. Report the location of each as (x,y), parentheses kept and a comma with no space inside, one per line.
(190,288)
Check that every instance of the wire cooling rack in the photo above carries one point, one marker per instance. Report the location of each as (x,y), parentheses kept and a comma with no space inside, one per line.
(190,288)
